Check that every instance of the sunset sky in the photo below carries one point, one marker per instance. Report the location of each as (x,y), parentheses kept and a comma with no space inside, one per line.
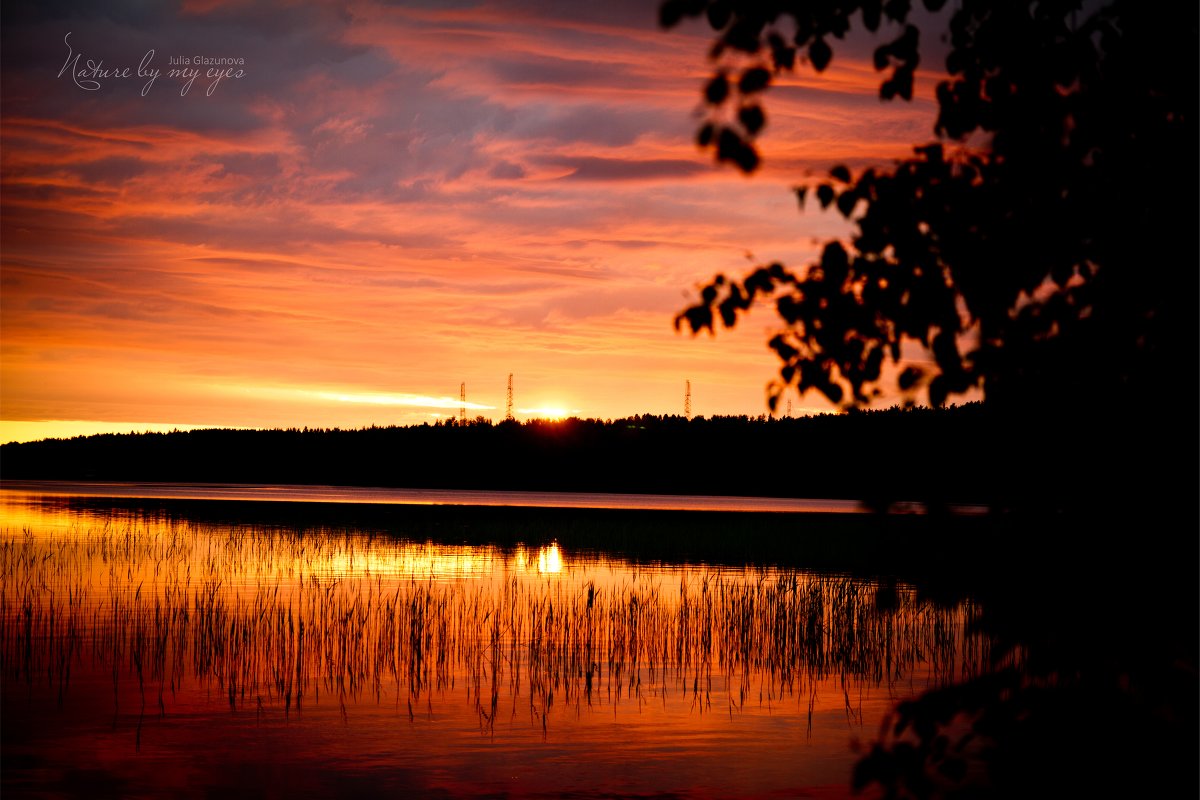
(393,199)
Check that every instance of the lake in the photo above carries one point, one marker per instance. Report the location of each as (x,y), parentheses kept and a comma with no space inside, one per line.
(157,648)
(455,497)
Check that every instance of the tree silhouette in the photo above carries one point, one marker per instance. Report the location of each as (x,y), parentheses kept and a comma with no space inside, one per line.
(1042,246)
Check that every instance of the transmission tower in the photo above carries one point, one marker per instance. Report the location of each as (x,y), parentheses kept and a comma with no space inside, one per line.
(508,405)
(462,403)
(687,400)
(789,411)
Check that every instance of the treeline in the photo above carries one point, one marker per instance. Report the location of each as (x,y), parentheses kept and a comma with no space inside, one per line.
(957,454)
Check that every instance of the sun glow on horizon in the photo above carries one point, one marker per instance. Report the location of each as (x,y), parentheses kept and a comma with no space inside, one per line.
(549,412)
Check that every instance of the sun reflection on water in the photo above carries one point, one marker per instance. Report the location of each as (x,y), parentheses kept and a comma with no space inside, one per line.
(549,558)
(546,560)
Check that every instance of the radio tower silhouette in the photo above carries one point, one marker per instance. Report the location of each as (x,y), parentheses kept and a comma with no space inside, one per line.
(508,406)
(789,411)
(462,403)
(687,400)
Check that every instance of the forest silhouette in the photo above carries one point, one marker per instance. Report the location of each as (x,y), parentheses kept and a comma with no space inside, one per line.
(881,457)
(828,455)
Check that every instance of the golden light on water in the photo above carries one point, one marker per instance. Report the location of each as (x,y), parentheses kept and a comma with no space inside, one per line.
(416,560)
(548,559)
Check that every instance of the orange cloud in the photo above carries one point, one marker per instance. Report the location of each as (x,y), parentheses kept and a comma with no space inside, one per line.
(419,198)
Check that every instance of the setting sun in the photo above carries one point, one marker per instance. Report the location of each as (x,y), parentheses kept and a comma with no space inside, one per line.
(549,412)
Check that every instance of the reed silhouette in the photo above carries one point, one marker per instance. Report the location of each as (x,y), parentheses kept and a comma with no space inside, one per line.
(271,619)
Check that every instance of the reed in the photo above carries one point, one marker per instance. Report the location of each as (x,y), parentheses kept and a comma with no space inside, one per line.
(270,618)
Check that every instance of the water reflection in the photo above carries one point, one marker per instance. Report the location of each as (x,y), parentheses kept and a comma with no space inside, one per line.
(154,617)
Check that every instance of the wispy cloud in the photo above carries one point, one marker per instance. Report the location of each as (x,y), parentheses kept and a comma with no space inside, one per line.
(415,400)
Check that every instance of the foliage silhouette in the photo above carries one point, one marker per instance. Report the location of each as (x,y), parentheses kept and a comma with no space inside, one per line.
(1041,248)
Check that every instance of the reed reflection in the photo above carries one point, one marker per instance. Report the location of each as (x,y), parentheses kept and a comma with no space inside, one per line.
(272,620)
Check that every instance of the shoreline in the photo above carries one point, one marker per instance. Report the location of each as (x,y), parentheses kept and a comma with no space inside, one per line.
(483,498)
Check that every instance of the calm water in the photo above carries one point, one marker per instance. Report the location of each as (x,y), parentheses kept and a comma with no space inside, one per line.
(455,497)
(147,655)
(460,497)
